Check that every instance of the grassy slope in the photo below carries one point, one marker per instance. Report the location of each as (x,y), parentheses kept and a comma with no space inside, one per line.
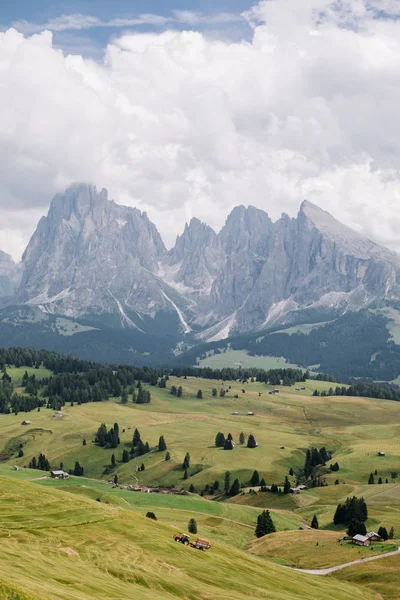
(314,549)
(61,547)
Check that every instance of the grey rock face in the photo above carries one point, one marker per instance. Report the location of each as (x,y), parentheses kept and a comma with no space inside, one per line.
(9,275)
(90,255)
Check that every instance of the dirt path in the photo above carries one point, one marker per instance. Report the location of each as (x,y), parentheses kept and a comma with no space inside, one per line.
(349,564)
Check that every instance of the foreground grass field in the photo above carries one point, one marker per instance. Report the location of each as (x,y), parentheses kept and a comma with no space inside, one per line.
(63,547)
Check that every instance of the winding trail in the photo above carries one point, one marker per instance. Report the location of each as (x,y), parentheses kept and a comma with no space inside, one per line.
(343,566)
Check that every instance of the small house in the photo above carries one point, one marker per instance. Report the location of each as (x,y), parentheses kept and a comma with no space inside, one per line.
(381,453)
(250,414)
(59,474)
(25,423)
(374,537)
(15,468)
(361,540)
(304,527)
(235,413)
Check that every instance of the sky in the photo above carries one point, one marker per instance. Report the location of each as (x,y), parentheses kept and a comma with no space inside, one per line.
(189,108)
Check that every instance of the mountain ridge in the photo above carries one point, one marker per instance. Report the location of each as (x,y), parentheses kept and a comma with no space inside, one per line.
(91,257)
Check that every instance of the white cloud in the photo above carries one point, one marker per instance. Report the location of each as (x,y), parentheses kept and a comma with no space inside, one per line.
(78,21)
(181,125)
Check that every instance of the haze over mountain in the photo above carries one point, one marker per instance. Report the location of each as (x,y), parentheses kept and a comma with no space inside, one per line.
(92,258)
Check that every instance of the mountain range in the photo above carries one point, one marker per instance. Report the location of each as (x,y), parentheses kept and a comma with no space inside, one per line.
(101,264)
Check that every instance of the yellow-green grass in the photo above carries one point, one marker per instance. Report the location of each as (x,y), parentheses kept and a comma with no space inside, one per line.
(314,549)
(17,373)
(380,577)
(240,358)
(58,546)
(291,418)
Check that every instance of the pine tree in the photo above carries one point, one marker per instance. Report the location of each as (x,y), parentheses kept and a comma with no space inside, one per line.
(191,488)
(286,486)
(235,489)
(242,438)
(382,531)
(251,442)
(199,394)
(371,479)
(356,527)
(113,460)
(228,445)
(380,480)
(124,396)
(262,483)
(180,392)
(265,524)
(186,461)
(291,473)
(192,527)
(219,440)
(125,456)
(314,522)
(185,474)
(83,442)
(174,390)
(255,478)
(167,456)
(391,533)
(136,438)
(162,446)
(227,482)
(115,479)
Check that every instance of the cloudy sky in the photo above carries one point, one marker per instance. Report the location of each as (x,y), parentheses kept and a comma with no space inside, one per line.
(189,107)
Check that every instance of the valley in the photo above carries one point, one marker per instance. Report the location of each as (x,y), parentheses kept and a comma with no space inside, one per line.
(285,425)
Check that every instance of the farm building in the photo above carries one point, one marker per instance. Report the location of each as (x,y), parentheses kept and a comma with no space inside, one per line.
(235,413)
(304,527)
(361,540)
(250,414)
(59,474)
(374,537)
(298,489)
(381,453)
(25,423)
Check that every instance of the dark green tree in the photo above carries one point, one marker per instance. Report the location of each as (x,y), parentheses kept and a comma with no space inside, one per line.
(286,486)
(214,393)
(356,527)
(199,394)
(227,482)
(162,446)
(228,445)
(186,461)
(371,479)
(151,515)
(219,440)
(242,438)
(265,525)
(314,522)
(180,392)
(167,456)
(251,442)
(192,527)
(382,531)
(125,456)
(235,489)
(255,478)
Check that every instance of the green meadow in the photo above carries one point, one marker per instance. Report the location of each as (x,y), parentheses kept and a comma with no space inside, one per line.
(119,551)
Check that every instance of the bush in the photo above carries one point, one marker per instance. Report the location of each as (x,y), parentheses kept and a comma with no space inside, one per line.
(151,515)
